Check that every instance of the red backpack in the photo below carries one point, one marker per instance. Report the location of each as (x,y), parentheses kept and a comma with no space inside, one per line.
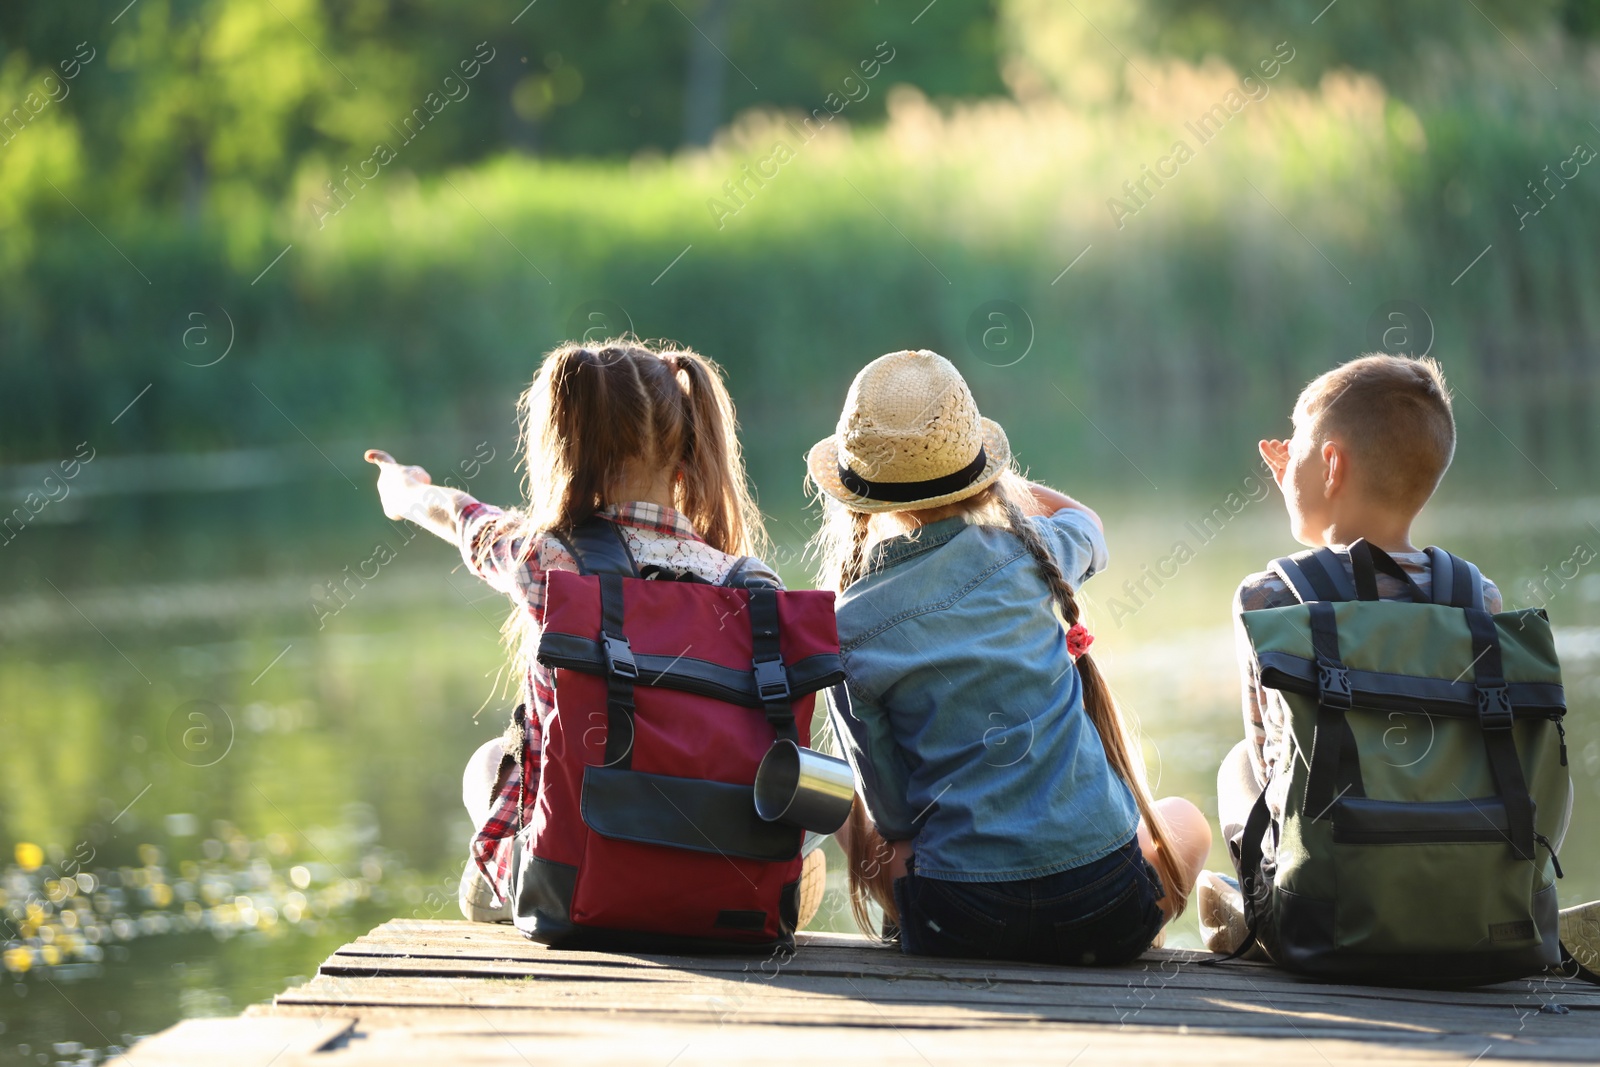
(668,694)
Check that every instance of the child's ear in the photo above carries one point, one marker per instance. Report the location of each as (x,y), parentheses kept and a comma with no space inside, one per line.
(1335,467)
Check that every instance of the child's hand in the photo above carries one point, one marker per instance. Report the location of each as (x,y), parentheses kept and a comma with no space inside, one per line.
(397,485)
(1275,454)
(1048,501)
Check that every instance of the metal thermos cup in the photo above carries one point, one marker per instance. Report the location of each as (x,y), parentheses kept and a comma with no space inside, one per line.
(802,787)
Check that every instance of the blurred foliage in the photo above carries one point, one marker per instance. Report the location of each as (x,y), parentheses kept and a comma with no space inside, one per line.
(427,302)
(191,101)
(198,143)
(1082,50)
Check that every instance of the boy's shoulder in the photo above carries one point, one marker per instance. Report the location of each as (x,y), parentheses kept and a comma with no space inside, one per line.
(1264,589)
(1261,590)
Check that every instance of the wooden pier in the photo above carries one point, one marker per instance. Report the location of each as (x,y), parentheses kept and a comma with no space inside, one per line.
(461,993)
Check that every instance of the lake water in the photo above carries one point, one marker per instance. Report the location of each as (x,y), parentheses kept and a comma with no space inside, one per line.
(234,724)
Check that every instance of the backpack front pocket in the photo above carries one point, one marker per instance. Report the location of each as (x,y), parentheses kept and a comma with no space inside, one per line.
(1420,877)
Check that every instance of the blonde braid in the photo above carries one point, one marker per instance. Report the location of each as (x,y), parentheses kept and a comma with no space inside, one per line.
(1060,589)
(855,563)
(1101,707)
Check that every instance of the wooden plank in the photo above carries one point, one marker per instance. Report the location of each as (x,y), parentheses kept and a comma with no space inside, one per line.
(257,1041)
(1159,968)
(919,1004)
(1130,984)
(809,961)
(396,1038)
(453,992)
(458,939)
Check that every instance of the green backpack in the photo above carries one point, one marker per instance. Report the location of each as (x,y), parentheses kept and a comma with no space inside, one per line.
(1428,775)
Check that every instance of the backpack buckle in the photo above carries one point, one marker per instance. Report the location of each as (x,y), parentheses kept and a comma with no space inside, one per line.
(1333,685)
(619,657)
(1494,707)
(772,681)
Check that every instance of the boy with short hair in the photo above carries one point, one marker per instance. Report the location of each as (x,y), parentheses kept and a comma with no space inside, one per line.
(1372,439)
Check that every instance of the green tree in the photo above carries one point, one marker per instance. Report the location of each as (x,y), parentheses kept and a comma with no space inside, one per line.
(1083,50)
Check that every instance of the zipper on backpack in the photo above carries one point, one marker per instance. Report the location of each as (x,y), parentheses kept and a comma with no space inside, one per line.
(1562,731)
(1554,862)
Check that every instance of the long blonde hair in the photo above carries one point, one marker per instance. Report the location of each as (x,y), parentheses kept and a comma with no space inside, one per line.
(841,547)
(596,414)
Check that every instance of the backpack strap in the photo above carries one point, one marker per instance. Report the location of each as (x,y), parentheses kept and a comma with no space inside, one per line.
(1459,584)
(1317,574)
(1455,581)
(1289,572)
(1473,594)
(1367,561)
(772,677)
(1333,756)
(1252,882)
(750,573)
(621,674)
(1442,564)
(599,548)
(1494,722)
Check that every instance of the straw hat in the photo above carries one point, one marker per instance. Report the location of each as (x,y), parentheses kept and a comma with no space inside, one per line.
(910,438)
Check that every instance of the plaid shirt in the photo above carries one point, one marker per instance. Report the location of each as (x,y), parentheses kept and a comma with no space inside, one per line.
(518,567)
(1265,715)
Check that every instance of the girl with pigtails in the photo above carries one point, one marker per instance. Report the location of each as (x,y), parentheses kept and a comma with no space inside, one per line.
(1003,811)
(642,437)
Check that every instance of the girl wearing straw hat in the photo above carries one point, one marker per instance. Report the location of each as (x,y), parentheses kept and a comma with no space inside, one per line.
(1009,815)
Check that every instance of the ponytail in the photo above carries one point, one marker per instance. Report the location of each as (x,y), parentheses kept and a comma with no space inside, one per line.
(580,447)
(595,415)
(1102,707)
(714,492)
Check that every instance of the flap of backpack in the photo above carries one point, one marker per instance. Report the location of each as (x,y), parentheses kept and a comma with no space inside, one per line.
(686,813)
(691,637)
(1408,656)
(689,674)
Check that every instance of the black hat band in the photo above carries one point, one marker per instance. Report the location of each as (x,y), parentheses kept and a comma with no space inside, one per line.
(906,492)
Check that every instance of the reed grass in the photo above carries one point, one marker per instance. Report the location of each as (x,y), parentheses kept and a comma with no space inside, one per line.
(1174,340)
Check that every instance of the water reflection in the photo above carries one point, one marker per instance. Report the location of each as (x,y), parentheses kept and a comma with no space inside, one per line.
(66,918)
(61,919)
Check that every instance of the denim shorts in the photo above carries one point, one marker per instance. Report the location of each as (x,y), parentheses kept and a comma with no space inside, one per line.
(1102,913)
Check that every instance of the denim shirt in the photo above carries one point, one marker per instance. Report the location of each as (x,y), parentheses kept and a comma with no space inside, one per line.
(961,712)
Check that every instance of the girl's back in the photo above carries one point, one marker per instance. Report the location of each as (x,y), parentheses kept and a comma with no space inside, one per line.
(1009,813)
(641,438)
(1009,778)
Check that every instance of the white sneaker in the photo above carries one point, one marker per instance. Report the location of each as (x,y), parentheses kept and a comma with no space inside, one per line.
(477,898)
(1580,933)
(1222,924)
